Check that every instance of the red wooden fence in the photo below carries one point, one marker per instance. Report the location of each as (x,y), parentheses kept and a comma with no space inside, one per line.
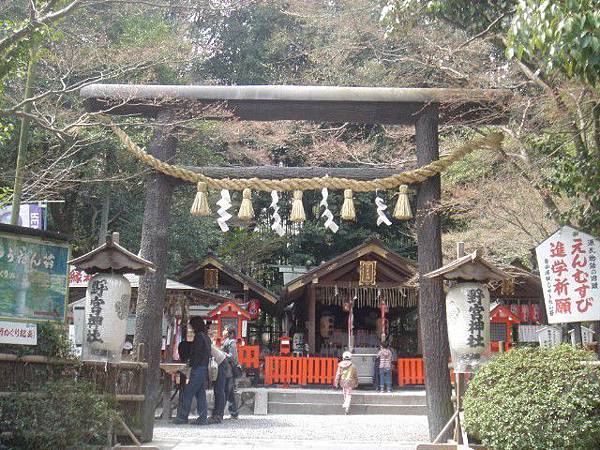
(248,356)
(410,371)
(299,370)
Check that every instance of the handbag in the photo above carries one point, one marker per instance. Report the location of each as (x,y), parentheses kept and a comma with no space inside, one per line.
(213,370)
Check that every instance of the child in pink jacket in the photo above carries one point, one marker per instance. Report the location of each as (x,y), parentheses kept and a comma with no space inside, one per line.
(347,378)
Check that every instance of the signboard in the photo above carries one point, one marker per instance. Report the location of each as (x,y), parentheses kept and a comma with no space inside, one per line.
(30,216)
(568,262)
(549,336)
(587,336)
(33,278)
(18,333)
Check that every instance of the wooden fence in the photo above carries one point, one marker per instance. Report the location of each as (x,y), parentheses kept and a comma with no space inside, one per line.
(299,370)
(248,356)
(411,371)
(125,380)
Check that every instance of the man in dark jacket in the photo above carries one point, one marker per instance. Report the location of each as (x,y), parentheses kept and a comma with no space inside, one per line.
(198,361)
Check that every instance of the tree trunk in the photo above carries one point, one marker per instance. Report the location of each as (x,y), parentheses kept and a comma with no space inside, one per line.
(106,191)
(23,140)
(63,214)
(432,307)
(151,293)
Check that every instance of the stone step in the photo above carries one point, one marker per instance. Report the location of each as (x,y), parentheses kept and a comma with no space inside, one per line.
(333,398)
(330,409)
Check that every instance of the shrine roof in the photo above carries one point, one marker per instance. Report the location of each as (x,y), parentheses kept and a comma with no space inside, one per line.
(315,103)
(403,268)
(191,273)
(470,267)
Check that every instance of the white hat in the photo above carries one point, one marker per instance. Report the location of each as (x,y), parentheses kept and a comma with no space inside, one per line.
(347,355)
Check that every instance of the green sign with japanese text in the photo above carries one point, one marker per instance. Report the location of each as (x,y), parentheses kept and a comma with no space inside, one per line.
(33,278)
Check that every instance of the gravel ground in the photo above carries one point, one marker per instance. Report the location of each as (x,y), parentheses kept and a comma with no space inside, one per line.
(297,432)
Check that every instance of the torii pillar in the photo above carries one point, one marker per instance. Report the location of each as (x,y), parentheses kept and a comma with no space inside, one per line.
(432,307)
(421,107)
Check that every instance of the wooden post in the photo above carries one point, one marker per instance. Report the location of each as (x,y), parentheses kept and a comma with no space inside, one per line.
(151,293)
(312,312)
(432,308)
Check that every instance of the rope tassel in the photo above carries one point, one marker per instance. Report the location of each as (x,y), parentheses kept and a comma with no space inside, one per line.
(246,211)
(402,211)
(298,214)
(348,211)
(200,206)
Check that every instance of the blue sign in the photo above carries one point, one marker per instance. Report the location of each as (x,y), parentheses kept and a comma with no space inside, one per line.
(33,278)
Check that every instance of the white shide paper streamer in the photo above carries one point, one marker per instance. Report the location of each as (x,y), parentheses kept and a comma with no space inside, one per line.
(381,207)
(224,204)
(276,225)
(329,223)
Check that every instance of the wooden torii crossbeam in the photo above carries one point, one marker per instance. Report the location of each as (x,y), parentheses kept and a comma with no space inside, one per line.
(424,108)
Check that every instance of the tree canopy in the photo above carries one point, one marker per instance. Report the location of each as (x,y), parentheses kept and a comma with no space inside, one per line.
(545,52)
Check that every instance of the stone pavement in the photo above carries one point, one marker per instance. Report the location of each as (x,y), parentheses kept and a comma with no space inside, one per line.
(295,432)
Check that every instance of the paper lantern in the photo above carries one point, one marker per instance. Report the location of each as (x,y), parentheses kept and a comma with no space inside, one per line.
(106,309)
(468,316)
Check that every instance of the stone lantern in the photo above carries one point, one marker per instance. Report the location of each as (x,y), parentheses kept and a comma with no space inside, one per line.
(107,298)
(468,308)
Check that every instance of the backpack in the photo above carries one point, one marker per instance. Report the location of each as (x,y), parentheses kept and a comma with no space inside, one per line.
(235,368)
(348,377)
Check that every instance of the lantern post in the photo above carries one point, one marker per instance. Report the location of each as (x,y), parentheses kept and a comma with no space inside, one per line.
(468,320)
(107,298)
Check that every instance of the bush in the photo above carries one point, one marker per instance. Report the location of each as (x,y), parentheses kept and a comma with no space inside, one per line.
(534,398)
(61,415)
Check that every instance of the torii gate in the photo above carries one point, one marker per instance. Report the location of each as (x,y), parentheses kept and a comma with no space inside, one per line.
(422,107)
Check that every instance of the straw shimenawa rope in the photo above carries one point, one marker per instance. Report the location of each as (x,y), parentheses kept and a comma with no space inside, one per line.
(492,141)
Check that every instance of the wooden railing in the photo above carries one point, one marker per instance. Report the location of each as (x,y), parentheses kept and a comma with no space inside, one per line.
(124,380)
(248,356)
(299,370)
(411,371)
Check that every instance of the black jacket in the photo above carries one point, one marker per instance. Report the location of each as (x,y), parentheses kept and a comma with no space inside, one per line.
(200,351)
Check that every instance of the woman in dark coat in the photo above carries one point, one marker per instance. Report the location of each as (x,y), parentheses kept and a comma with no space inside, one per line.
(198,361)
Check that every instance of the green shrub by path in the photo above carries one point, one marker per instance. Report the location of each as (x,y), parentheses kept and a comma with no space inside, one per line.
(534,398)
(61,415)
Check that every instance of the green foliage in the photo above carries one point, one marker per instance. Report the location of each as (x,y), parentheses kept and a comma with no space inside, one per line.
(576,178)
(62,415)
(253,44)
(555,34)
(5,193)
(533,398)
(563,35)
(472,16)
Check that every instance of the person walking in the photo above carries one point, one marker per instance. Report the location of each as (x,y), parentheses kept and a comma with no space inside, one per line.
(346,377)
(196,387)
(223,375)
(385,367)
(229,346)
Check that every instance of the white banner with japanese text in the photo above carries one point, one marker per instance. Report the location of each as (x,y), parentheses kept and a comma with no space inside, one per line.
(19,333)
(568,262)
